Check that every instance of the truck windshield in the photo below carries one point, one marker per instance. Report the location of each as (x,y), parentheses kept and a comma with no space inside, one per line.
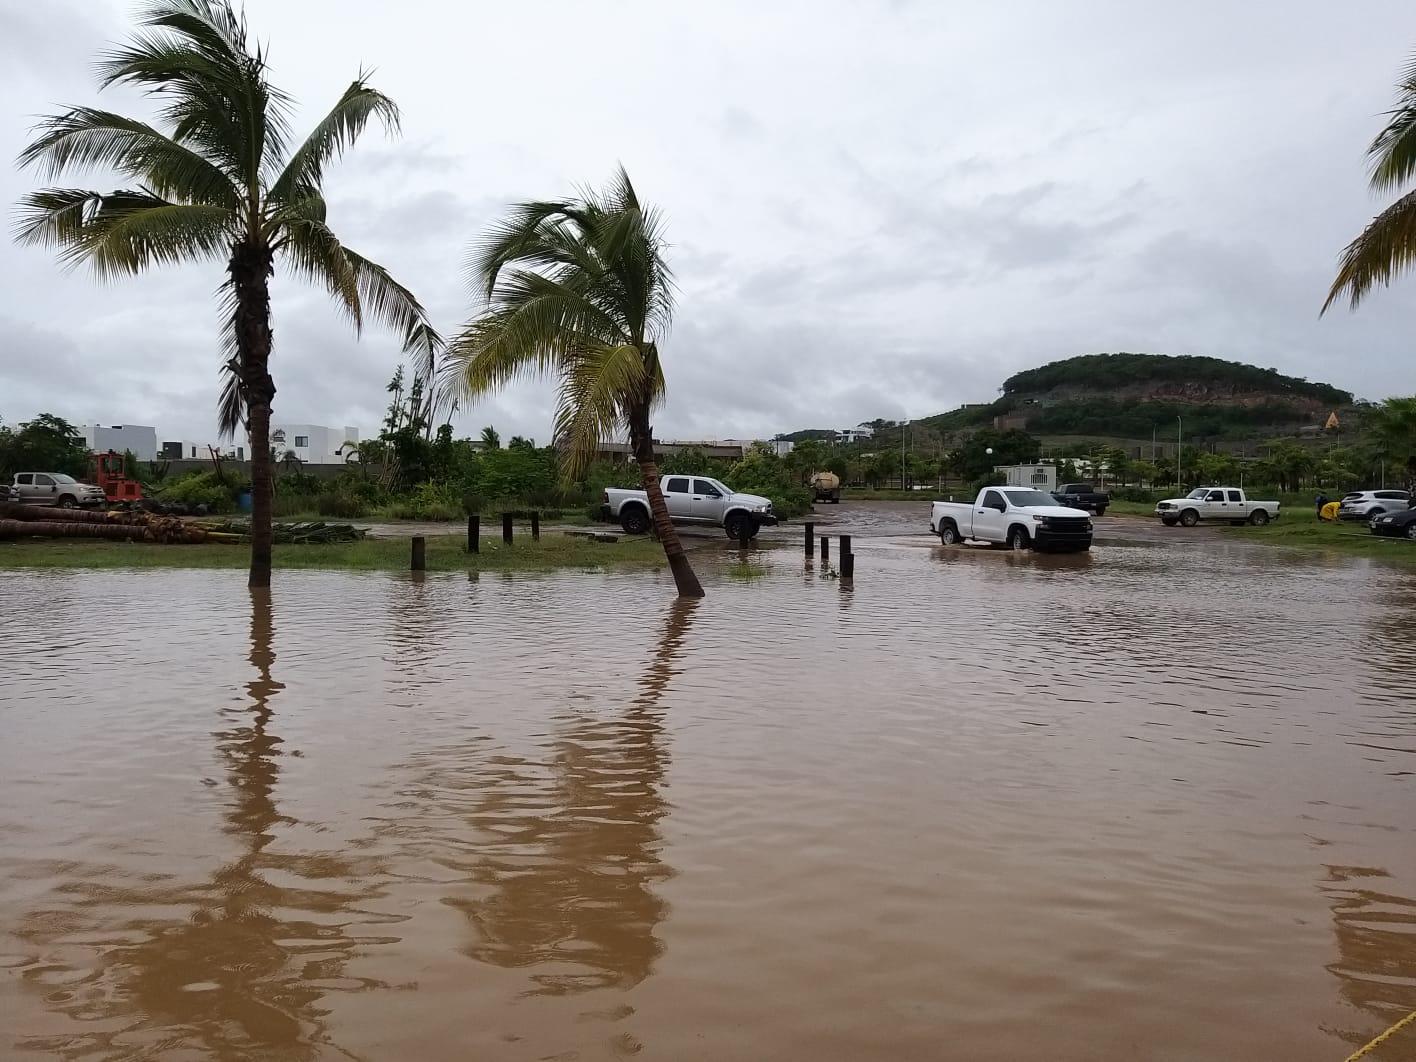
(59,477)
(717,483)
(1030,497)
(1198,493)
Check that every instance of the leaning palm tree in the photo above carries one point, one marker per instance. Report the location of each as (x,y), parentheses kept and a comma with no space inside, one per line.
(222,182)
(579,290)
(1387,246)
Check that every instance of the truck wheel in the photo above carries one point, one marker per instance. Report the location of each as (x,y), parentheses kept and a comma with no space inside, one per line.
(1189,518)
(733,526)
(1259,517)
(949,534)
(1018,538)
(634,520)
(67,501)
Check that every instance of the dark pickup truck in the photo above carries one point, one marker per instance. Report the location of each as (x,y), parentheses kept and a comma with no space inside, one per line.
(1082,496)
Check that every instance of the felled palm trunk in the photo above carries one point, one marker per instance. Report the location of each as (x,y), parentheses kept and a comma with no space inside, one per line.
(33,513)
(167,529)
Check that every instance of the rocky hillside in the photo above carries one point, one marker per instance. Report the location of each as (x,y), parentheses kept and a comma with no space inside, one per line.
(1126,395)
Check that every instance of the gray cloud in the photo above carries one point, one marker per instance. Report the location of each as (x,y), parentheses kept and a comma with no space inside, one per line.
(874,209)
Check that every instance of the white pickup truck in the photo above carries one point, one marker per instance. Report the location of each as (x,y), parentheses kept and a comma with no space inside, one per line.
(691,500)
(1018,517)
(1215,503)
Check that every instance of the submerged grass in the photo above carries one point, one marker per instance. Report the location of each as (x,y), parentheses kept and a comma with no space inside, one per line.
(1308,533)
(444,553)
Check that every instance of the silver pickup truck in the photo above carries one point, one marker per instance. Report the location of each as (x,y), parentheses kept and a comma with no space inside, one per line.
(691,500)
(54,488)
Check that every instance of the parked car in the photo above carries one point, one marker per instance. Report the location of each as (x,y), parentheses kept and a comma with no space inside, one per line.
(1401,524)
(1369,504)
(691,500)
(1216,503)
(55,488)
(1018,517)
(1083,496)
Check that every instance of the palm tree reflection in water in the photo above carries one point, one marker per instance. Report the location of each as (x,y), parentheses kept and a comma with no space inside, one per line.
(571,849)
(240,973)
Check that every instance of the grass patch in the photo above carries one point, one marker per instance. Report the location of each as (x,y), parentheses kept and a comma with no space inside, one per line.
(745,571)
(444,553)
(1352,539)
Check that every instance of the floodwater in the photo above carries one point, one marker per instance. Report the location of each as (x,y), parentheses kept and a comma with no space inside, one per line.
(1153,802)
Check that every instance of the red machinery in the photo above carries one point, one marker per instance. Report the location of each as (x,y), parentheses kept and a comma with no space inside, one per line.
(108,473)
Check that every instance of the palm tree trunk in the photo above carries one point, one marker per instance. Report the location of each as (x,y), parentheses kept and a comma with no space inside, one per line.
(642,439)
(250,272)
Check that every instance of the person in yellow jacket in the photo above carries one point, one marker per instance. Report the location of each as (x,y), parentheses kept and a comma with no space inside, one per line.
(1329,512)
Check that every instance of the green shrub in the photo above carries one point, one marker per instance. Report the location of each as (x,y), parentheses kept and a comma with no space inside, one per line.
(333,503)
(204,488)
(428,501)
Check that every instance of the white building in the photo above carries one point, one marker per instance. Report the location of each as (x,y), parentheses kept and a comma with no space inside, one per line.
(191,450)
(138,438)
(859,433)
(1041,474)
(314,444)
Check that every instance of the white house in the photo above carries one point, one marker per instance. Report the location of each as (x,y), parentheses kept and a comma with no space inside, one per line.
(138,438)
(313,444)
(191,450)
(859,433)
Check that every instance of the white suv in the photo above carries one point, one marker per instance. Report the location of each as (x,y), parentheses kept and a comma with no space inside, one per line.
(1370,504)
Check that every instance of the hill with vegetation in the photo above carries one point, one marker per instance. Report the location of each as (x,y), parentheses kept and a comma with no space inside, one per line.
(1126,395)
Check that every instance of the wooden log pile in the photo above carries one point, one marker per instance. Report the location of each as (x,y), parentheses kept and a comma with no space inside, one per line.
(27,521)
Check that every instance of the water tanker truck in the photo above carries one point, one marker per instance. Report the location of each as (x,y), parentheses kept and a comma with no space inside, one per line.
(826,486)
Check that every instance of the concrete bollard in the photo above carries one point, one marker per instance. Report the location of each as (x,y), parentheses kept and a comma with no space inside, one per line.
(420,556)
(474,533)
(825,549)
(536,525)
(810,543)
(847,565)
(845,546)
(506,528)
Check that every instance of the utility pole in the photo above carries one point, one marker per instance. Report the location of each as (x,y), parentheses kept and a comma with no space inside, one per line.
(1179,442)
(903,426)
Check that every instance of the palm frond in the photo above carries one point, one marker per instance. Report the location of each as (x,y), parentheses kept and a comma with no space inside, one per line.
(335,133)
(123,232)
(389,302)
(1385,249)
(594,386)
(315,253)
(214,87)
(512,240)
(1393,152)
(231,406)
(86,138)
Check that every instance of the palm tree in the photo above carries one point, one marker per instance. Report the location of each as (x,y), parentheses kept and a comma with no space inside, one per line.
(491,440)
(221,183)
(579,290)
(1387,246)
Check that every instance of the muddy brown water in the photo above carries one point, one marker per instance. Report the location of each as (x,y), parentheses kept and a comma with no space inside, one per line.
(1154,802)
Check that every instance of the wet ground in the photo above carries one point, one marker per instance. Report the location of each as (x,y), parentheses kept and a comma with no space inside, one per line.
(1152,802)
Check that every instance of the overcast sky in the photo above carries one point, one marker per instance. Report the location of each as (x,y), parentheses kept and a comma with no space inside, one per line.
(875,210)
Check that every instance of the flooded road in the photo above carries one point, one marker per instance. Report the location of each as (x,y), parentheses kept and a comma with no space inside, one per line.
(1153,802)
